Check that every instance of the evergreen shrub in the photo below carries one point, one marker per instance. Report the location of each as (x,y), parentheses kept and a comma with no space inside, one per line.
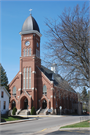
(33,111)
(14,110)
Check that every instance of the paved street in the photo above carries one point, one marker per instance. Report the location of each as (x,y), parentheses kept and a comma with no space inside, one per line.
(74,132)
(32,127)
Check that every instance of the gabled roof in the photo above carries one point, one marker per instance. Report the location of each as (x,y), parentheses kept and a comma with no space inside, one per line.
(58,80)
(2,87)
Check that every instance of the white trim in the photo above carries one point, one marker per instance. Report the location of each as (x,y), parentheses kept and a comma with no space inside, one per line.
(34,57)
(51,82)
(31,31)
(20,73)
(51,96)
(45,97)
(52,88)
(34,72)
(27,93)
(32,88)
(19,89)
(30,96)
(14,97)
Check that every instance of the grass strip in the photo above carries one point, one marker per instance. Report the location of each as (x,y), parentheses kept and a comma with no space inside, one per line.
(12,118)
(77,125)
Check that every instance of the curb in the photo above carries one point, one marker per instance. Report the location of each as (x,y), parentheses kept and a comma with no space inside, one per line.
(81,128)
(42,116)
(71,124)
(17,121)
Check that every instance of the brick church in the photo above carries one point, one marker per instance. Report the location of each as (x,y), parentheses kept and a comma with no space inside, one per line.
(34,84)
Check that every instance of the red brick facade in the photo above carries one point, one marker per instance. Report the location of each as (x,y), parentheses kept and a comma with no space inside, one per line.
(55,96)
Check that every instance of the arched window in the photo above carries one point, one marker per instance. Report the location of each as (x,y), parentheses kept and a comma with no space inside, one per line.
(27,78)
(24,52)
(14,90)
(24,78)
(44,89)
(27,51)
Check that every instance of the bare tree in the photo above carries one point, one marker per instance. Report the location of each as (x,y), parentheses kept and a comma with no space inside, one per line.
(68,44)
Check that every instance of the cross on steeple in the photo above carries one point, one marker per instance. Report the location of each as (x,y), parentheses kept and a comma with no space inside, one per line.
(30,11)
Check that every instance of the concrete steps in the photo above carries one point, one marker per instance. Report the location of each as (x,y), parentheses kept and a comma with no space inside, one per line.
(23,112)
(42,112)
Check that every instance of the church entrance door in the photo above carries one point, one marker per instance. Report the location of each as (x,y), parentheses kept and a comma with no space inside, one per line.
(25,103)
(44,104)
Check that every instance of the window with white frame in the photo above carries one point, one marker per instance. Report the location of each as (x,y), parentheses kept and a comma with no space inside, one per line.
(29,78)
(14,90)
(29,51)
(44,89)
(23,52)
(24,78)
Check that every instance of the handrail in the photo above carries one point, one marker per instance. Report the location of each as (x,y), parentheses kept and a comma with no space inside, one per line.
(38,111)
(45,110)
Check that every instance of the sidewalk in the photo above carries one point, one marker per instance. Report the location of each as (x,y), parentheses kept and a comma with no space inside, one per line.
(17,121)
(28,116)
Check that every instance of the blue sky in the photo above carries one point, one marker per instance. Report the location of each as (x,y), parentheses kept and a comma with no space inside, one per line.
(12,16)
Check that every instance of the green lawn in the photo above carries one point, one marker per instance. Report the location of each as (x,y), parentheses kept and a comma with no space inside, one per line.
(77,125)
(12,118)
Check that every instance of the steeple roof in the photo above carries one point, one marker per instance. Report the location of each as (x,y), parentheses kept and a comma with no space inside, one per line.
(30,24)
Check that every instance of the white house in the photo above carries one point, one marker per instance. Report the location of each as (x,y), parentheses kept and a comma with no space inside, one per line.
(4,100)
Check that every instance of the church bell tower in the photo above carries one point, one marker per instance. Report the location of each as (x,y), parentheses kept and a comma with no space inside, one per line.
(30,56)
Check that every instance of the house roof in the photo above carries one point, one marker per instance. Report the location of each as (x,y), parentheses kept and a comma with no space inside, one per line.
(57,79)
(2,87)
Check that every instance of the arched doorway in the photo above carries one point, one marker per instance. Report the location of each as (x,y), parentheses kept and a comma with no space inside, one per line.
(25,103)
(13,104)
(44,104)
